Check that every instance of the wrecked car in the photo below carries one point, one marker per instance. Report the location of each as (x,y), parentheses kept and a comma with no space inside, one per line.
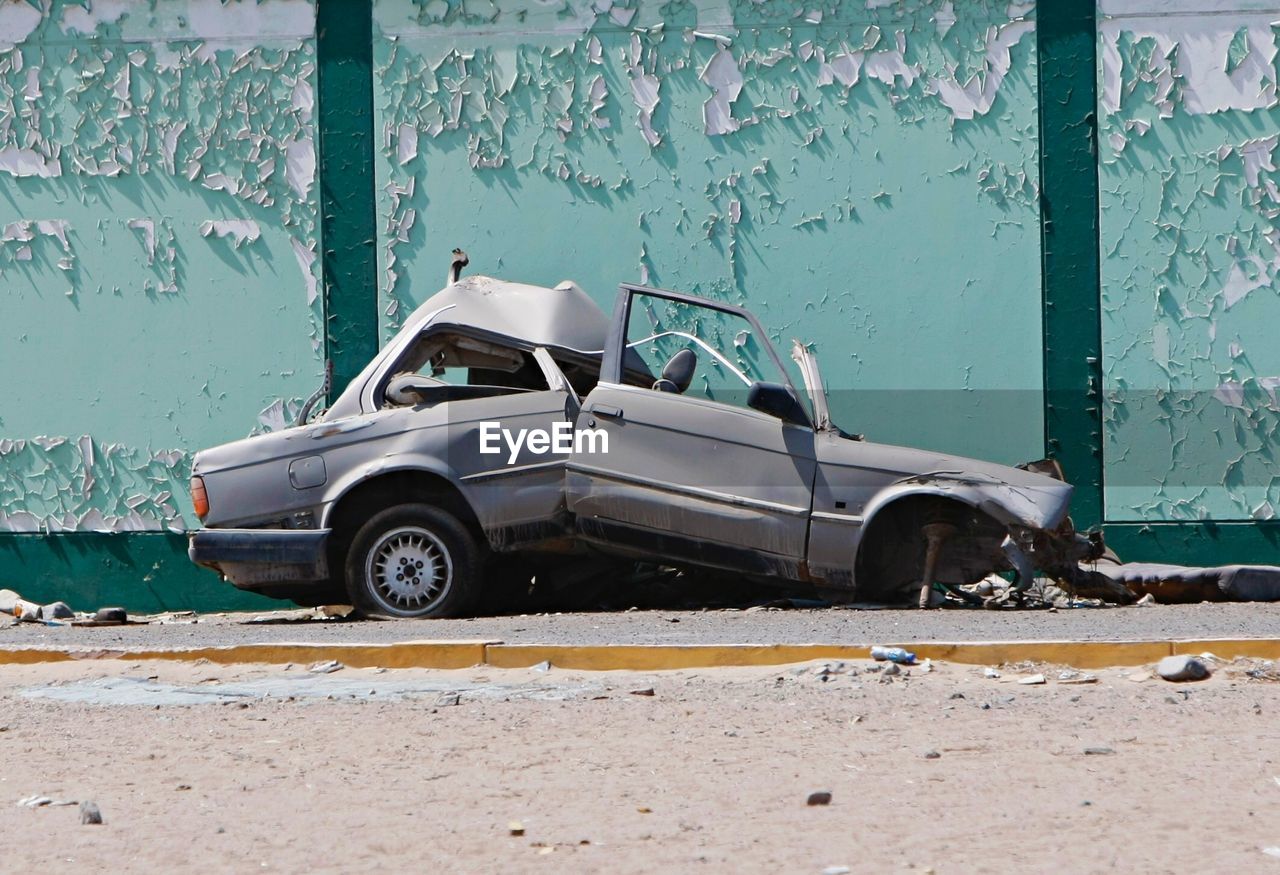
(511,420)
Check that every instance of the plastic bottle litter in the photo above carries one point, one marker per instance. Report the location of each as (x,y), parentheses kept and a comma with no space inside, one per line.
(893,654)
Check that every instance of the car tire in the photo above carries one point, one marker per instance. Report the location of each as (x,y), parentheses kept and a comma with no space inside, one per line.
(413,561)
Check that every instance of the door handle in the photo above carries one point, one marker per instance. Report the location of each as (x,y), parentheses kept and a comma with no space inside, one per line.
(605,410)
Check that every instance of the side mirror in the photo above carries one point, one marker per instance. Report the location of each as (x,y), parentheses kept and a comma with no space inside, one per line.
(776,399)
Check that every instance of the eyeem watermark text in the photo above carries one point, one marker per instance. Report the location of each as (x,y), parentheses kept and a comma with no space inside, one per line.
(563,438)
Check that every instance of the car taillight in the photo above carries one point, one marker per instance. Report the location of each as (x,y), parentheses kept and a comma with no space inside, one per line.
(199,498)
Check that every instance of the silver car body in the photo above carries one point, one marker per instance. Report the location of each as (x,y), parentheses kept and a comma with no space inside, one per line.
(685,480)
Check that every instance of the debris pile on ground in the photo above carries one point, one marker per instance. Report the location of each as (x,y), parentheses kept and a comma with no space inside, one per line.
(1177,584)
(56,613)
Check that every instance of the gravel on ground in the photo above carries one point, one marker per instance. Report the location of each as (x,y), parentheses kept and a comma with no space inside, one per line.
(199,767)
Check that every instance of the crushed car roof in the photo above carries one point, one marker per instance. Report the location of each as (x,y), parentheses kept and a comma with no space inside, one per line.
(564,316)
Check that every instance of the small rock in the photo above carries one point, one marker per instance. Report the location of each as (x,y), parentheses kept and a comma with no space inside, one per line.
(328,667)
(1098,751)
(956,696)
(89,813)
(57,611)
(111,615)
(932,755)
(1031,680)
(29,612)
(647,691)
(515,828)
(1182,668)
(821,797)
(447,700)
(892,669)
(1147,601)
(990,673)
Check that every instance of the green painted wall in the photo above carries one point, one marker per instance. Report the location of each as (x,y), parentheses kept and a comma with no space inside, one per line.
(864,179)
(159,239)
(1190,229)
(158,248)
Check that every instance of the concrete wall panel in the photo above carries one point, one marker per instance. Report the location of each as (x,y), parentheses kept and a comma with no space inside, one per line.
(158,248)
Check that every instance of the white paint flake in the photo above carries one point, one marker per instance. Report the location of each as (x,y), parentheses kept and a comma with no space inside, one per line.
(300,165)
(976,95)
(1218,62)
(28,162)
(645,89)
(240,230)
(725,79)
(406,144)
(17,22)
(306,256)
(148,229)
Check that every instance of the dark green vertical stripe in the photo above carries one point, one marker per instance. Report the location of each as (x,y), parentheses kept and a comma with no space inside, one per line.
(1067,48)
(344,48)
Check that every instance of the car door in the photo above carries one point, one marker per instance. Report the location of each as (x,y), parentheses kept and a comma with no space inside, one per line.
(684,468)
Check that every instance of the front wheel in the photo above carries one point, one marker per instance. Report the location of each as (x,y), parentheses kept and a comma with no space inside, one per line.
(412,561)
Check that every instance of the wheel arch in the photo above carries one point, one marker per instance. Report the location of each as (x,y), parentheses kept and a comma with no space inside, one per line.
(913,503)
(363,498)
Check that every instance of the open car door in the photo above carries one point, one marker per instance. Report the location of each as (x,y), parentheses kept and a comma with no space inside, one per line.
(694,445)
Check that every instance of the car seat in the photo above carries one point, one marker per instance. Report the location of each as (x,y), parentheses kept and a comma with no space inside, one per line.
(677,374)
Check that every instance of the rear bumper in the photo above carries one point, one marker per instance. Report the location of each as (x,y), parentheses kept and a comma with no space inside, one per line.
(253,558)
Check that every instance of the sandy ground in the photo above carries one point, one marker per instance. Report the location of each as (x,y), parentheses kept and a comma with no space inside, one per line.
(260,770)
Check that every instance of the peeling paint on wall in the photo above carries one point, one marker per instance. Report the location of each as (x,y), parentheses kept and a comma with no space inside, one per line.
(158,244)
(1191,257)
(861,175)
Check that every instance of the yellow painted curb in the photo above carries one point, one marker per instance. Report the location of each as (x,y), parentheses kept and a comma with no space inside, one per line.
(658,657)
(404,654)
(1230,648)
(663,657)
(32,655)
(1080,654)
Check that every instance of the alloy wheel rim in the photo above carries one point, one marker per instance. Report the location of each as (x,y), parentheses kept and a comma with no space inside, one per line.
(409,570)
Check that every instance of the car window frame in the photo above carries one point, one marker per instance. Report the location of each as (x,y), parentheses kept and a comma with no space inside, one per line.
(616,342)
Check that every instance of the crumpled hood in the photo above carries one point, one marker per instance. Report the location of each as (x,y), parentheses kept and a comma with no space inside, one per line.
(1011,495)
